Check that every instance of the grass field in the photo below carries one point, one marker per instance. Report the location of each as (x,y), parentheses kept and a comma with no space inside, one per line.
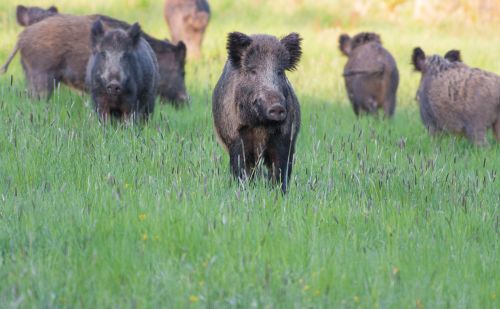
(379,214)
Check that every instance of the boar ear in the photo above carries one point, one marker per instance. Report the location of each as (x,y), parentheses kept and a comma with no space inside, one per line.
(237,42)
(345,44)
(134,32)
(96,33)
(53,9)
(453,56)
(292,44)
(22,15)
(418,59)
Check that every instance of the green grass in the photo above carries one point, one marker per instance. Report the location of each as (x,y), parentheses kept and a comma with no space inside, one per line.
(126,216)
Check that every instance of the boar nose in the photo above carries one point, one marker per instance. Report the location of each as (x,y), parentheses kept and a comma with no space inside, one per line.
(276,112)
(114,88)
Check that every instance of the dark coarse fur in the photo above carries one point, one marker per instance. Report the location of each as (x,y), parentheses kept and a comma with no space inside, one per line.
(187,21)
(122,73)
(371,75)
(57,49)
(256,113)
(456,98)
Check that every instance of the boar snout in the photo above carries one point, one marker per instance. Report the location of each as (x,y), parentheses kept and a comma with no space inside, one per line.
(276,112)
(114,88)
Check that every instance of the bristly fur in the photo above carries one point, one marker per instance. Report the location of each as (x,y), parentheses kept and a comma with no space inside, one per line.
(453,56)
(344,41)
(292,45)
(237,42)
(418,58)
(363,38)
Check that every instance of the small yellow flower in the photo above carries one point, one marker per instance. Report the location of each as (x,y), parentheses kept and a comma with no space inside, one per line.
(419,304)
(493,296)
(144,236)
(306,288)
(142,217)
(126,185)
(194,299)
(356,299)
(317,293)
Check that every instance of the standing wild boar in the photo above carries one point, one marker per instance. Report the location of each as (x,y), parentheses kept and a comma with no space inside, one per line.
(456,98)
(57,49)
(371,75)
(187,21)
(256,113)
(122,73)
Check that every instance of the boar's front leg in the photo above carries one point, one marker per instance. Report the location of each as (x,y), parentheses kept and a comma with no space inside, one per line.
(279,160)
(237,160)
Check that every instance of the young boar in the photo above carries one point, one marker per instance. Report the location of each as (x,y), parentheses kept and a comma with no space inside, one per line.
(122,73)
(256,113)
(187,21)
(371,75)
(456,98)
(57,49)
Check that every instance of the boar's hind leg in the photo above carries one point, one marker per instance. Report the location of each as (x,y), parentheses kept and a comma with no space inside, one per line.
(279,160)
(41,84)
(496,129)
(477,135)
(237,160)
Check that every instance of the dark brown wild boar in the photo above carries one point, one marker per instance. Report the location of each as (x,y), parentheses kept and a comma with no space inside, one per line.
(57,49)
(122,73)
(187,21)
(456,98)
(256,113)
(371,75)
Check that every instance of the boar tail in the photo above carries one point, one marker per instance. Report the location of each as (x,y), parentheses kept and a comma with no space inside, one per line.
(4,68)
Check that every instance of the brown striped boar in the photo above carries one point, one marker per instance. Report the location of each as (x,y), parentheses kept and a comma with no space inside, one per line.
(371,75)
(256,113)
(455,98)
(57,49)
(122,73)
(187,21)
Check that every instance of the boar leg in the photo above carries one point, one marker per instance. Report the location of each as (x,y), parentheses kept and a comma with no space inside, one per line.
(279,160)
(477,135)
(496,130)
(237,160)
(40,84)
(389,105)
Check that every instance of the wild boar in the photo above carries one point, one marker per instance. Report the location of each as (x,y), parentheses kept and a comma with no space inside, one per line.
(187,21)
(57,49)
(455,98)
(371,75)
(122,73)
(256,113)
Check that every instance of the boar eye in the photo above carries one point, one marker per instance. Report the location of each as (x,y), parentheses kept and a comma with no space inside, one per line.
(281,73)
(253,71)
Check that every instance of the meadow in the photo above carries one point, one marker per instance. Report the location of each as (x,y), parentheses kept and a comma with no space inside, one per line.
(378,215)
